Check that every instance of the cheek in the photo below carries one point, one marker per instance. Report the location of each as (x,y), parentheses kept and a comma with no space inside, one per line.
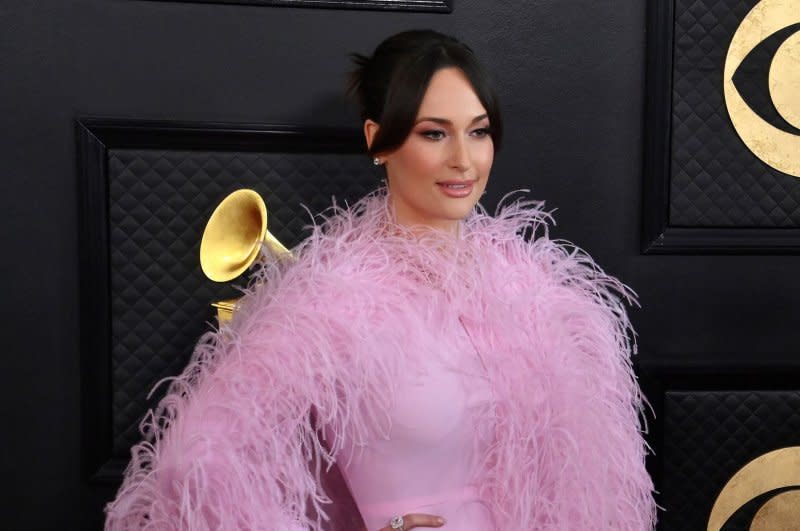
(419,156)
(485,158)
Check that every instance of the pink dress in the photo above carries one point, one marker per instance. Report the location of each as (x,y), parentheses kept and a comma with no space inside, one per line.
(537,383)
(441,427)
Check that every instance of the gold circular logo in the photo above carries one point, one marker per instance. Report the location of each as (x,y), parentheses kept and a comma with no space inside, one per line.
(779,469)
(778,147)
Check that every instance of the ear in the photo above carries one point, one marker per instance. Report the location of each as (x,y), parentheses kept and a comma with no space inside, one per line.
(370,130)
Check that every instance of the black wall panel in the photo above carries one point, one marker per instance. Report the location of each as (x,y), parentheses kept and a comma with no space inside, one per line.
(571,77)
(144,297)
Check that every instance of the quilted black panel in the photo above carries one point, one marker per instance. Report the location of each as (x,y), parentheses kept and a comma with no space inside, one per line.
(715,180)
(708,436)
(159,202)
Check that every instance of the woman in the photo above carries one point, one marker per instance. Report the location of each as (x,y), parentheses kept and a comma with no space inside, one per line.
(459,375)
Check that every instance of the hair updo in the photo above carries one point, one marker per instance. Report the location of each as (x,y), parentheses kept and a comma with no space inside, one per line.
(390,85)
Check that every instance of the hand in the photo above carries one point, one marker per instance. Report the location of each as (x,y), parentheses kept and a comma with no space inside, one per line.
(410,521)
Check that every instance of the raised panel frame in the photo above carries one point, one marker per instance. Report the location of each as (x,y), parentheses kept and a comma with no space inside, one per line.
(433,6)
(95,137)
(658,235)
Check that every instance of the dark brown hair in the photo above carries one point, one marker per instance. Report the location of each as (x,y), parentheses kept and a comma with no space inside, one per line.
(389,85)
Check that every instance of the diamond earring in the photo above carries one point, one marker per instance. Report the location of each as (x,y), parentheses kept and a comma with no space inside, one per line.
(376,161)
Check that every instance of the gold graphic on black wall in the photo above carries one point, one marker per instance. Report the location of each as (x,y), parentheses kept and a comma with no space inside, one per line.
(234,239)
(773,472)
(761,83)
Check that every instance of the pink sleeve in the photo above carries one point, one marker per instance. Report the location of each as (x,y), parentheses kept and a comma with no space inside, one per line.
(578,405)
(230,444)
(204,470)
(233,444)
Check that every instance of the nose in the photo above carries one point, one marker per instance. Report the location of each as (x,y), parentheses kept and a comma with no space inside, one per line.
(460,157)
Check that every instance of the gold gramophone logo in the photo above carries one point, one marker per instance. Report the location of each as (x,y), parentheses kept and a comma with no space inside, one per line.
(234,239)
(775,476)
(761,83)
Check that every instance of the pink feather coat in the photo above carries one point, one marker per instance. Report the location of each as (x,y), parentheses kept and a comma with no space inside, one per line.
(233,444)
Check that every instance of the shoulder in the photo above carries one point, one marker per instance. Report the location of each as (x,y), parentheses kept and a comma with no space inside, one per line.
(518,234)
(334,271)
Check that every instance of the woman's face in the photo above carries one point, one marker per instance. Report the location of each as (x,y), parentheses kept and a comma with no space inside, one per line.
(438,174)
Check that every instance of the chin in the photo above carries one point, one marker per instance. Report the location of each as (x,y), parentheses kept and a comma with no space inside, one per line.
(459,211)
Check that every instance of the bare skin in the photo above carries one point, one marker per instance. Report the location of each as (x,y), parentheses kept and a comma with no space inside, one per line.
(410,521)
(449,144)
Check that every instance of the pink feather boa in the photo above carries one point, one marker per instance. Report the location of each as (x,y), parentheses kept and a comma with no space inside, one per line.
(232,445)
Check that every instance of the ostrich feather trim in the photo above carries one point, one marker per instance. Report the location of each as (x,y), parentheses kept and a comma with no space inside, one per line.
(233,446)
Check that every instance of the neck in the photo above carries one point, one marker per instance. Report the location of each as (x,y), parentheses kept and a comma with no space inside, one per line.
(421,226)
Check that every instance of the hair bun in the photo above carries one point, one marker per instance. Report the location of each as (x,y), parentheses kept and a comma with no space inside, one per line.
(389,85)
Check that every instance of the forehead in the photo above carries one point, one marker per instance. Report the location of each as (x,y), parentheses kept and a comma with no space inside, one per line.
(450,95)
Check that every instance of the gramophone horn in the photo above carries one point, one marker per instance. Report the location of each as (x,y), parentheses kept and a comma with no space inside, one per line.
(233,236)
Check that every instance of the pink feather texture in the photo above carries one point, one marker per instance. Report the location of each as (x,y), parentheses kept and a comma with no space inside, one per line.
(233,446)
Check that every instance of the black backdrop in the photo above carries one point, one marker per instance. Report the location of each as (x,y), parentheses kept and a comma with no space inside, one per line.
(571,77)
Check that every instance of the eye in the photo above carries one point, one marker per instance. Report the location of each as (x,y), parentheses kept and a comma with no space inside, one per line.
(482,132)
(433,134)
(751,79)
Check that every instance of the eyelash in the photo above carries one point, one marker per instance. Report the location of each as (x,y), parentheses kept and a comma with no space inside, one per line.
(484,132)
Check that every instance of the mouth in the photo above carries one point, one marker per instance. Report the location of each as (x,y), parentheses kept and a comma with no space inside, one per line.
(456,188)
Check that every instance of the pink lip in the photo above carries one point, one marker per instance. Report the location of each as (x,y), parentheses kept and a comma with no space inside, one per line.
(459,192)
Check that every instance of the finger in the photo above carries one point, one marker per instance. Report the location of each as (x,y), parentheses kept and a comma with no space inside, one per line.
(411,521)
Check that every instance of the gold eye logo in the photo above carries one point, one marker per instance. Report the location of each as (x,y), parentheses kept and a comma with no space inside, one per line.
(774,471)
(771,130)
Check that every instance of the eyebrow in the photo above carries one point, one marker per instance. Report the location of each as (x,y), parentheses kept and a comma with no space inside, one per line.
(445,121)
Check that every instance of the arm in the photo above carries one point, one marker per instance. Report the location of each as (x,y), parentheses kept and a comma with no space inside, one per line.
(218,454)
(230,446)
(602,401)
(573,407)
